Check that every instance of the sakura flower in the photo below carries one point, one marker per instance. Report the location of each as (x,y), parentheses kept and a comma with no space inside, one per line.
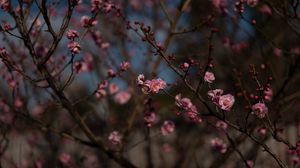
(113,88)
(72,34)
(96,5)
(124,66)
(252,3)
(226,102)
(268,94)
(80,66)
(214,95)
(218,145)
(74,47)
(5,5)
(209,77)
(111,73)
(221,125)
(86,21)
(122,97)
(184,103)
(260,110)
(64,158)
(151,86)
(115,138)
(149,118)
(167,128)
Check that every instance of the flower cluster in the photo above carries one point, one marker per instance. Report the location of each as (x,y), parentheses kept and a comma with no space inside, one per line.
(151,86)
(209,77)
(87,22)
(224,102)
(5,5)
(167,128)
(115,138)
(260,110)
(218,145)
(188,107)
(73,46)
(101,92)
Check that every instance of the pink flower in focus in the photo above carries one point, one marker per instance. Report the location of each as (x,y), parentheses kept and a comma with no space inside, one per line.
(184,103)
(122,97)
(115,138)
(151,86)
(64,158)
(74,47)
(226,102)
(218,145)
(260,110)
(209,77)
(167,128)
(72,34)
(215,94)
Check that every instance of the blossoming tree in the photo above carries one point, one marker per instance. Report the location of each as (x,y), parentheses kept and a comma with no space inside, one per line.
(149,83)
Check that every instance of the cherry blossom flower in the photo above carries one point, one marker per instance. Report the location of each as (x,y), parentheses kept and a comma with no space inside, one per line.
(86,21)
(151,86)
(96,5)
(74,47)
(113,88)
(167,128)
(226,102)
(209,77)
(5,5)
(65,158)
(252,3)
(268,94)
(122,97)
(260,110)
(266,10)
(72,34)
(221,125)
(149,118)
(215,94)
(115,138)
(218,145)
(124,66)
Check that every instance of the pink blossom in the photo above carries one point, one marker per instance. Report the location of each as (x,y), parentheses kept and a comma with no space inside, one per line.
(185,103)
(124,66)
(220,5)
(219,145)
(151,86)
(115,138)
(113,88)
(268,94)
(72,34)
(260,110)
(252,3)
(215,94)
(277,52)
(111,73)
(209,77)
(122,97)
(221,125)
(18,103)
(149,118)
(86,21)
(64,158)
(266,10)
(262,131)
(167,128)
(74,47)
(96,5)
(226,102)
(80,66)
(5,5)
